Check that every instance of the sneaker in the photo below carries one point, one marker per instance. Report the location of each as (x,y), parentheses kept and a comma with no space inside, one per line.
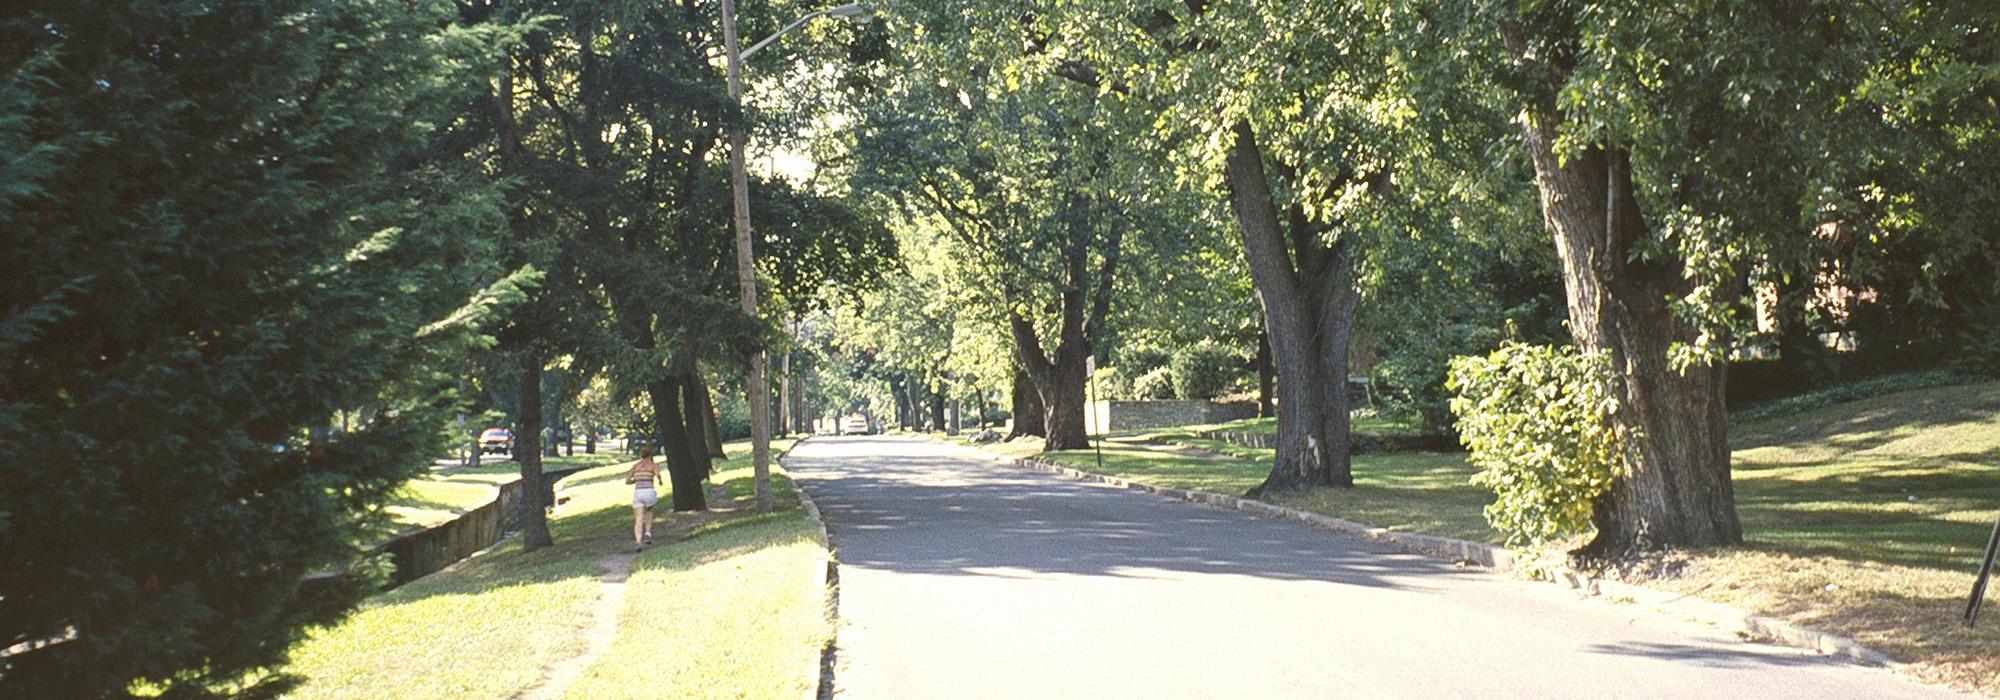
(649,539)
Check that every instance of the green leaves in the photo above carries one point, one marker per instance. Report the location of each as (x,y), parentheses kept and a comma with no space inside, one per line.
(1534,419)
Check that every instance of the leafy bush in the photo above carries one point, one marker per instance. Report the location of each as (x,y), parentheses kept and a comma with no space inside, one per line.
(1533,417)
(1202,371)
(1157,384)
(1410,378)
(1112,382)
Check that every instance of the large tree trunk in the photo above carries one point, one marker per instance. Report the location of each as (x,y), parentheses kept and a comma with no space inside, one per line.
(711,434)
(528,451)
(1265,376)
(696,425)
(1085,302)
(684,471)
(1309,301)
(937,411)
(1029,416)
(1673,488)
(784,417)
(902,404)
(1059,382)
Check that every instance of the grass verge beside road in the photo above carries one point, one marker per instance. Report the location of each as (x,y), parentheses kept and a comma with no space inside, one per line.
(736,612)
(1865,519)
(439,495)
(491,625)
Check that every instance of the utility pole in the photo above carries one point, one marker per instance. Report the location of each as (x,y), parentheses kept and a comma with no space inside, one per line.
(746,268)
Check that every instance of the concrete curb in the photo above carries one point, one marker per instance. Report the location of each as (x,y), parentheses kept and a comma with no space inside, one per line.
(1502,559)
(822,669)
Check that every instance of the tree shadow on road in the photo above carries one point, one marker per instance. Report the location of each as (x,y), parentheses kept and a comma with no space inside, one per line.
(935,515)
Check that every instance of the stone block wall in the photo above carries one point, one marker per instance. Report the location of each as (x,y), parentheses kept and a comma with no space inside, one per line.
(1139,415)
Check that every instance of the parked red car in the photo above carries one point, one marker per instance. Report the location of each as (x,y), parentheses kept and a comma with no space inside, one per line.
(499,440)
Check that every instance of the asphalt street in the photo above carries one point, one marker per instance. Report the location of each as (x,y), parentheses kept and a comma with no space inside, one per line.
(962,577)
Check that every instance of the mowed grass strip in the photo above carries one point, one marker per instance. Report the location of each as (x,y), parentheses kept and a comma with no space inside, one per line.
(439,495)
(739,611)
(484,629)
(1427,492)
(490,626)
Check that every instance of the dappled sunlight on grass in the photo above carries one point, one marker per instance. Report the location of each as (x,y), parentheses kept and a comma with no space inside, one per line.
(485,630)
(732,613)
(489,626)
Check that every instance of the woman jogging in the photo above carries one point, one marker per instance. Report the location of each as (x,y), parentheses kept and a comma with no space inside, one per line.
(641,477)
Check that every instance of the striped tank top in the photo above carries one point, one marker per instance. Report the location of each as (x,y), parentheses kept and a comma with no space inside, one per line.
(644,473)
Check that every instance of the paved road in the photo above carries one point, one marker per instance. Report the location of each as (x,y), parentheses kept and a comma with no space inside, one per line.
(966,578)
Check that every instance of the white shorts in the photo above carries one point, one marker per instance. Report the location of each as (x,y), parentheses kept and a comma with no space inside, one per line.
(645,498)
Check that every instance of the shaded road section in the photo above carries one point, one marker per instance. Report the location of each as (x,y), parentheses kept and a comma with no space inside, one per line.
(962,577)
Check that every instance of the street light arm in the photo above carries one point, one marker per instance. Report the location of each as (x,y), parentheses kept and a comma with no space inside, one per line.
(788,28)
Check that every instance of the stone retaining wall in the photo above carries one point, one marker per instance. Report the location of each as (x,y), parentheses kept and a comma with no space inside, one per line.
(1361,444)
(425,551)
(1140,415)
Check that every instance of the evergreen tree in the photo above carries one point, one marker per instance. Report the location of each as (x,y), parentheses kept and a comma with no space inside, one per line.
(225,221)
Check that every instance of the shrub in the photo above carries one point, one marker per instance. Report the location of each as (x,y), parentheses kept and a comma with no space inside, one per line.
(1202,371)
(1533,417)
(1157,384)
(1112,382)
(1410,378)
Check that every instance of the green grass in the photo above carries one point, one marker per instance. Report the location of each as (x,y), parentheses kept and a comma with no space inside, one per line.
(732,613)
(490,626)
(439,495)
(485,629)
(1429,492)
(1910,478)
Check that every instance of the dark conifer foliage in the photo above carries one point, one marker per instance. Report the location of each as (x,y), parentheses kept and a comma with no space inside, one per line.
(225,222)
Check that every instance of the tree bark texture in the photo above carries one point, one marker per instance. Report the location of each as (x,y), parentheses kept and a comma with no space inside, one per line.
(1029,415)
(1265,377)
(684,472)
(1085,301)
(528,452)
(1306,287)
(902,403)
(711,434)
(1674,486)
(937,411)
(694,422)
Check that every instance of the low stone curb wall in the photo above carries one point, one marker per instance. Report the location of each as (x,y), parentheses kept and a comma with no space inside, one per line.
(1502,559)
(1360,444)
(421,553)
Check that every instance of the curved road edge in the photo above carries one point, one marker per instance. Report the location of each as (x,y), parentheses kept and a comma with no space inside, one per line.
(1504,560)
(822,670)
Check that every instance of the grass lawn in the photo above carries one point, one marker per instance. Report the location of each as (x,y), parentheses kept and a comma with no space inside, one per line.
(489,627)
(442,494)
(1864,518)
(1867,519)
(736,612)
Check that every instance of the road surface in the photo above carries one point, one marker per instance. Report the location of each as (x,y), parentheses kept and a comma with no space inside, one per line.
(962,577)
